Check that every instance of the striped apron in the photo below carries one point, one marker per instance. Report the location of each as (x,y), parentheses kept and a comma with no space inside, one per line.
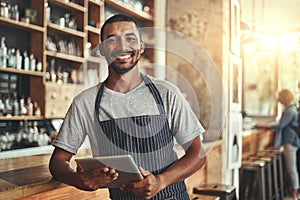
(147,138)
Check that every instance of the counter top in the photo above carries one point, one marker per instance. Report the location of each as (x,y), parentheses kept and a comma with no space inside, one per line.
(29,176)
(254,131)
(25,176)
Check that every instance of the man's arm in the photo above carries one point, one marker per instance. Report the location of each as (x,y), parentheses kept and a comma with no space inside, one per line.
(193,160)
(62,170)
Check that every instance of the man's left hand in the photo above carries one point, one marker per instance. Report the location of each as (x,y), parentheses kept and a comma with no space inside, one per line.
(146,188)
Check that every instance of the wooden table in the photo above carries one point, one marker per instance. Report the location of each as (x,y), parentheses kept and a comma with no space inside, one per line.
(29,178)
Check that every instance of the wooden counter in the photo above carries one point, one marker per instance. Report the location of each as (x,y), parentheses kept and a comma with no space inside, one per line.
(256,140)
(29,177)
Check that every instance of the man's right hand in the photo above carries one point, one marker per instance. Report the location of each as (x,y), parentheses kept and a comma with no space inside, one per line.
(62,170)
(96,178)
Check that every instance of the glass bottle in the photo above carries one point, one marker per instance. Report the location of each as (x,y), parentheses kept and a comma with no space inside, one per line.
(16,107)
(32,63)
(11,58)
(8,107)
(3,53)
(26,61)
(52,71)
(18,59)
(29,107)
(2,107)
(35,132)
(59,75)
(23,109)
(37,109)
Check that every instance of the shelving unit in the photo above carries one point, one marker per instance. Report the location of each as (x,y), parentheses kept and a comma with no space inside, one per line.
(54,99)
(125,8)
(21,72)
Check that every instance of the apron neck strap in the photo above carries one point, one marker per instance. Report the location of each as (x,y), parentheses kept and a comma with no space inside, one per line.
(153,89)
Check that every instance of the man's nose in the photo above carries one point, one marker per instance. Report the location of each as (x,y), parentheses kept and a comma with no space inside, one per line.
(122,43)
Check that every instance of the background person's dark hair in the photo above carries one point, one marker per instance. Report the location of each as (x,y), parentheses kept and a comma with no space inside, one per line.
(116,18)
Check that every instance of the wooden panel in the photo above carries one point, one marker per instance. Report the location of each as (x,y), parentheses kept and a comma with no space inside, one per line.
(27,176)
(5,185)
(70,193)
(11,194)
(257,141)
(58,99)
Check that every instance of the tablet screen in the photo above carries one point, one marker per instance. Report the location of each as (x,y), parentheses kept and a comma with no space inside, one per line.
(124,165)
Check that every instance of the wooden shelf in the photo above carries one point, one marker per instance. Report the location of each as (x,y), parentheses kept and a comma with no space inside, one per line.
(130,10)
(34,38)
(94,59)
(65,30)
(22,72)
(68,5)
(97,2)
(21,25)
(25,117)
(66,57)
(93,30)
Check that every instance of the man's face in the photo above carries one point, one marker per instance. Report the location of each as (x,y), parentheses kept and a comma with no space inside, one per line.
(122,46)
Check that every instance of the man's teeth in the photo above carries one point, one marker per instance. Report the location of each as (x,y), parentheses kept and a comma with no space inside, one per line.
(123,56)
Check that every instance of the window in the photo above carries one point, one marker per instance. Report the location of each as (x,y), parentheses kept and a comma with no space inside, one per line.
(270,65)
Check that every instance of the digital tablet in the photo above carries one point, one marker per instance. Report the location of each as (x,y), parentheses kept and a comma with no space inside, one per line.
(124,164)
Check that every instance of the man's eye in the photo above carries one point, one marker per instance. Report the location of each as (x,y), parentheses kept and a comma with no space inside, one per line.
(111,40)
(131,39)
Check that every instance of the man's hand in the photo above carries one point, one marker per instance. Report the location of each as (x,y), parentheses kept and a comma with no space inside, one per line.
(94,179)
(147,187)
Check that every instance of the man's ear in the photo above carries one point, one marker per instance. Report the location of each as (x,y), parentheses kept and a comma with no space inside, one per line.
(101,48)
(142,49)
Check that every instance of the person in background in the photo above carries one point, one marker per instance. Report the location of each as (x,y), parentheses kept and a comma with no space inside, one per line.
(130,113)
(287,136)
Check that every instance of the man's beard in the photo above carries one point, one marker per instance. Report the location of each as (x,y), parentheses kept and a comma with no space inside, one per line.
(123,71)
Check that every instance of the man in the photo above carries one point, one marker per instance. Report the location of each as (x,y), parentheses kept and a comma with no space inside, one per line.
(130,113)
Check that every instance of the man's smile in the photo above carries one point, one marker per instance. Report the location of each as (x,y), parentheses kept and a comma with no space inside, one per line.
(122,56)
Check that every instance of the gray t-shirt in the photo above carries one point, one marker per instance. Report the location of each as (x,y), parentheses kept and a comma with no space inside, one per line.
(80,118)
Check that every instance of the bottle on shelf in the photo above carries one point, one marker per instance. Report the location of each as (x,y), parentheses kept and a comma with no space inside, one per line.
(3,53)
(16,107)
(23,109)
(35,137)
(3,9)
(37,109)
(44,139)
(11,58)
(8,107)
(32,63)
(39,66)
(30,132)
(25,61)
(53,76)
(48,12)
(15,13)
(59,76)
(2,106)
(18,59)
(29,106)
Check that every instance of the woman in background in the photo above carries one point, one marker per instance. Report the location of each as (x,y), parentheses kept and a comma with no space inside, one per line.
(287,136)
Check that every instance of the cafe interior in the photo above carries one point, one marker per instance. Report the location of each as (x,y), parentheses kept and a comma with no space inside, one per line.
(229,58)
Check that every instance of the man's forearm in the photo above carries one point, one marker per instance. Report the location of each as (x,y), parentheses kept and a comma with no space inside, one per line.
(61,169)
(192,161)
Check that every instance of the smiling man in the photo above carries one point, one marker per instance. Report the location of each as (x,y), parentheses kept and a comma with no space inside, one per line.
(130,113)
(123,47)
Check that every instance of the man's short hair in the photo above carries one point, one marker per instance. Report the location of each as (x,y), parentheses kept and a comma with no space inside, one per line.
(116,18)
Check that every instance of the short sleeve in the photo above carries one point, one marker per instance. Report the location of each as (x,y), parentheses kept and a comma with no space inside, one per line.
(71,134)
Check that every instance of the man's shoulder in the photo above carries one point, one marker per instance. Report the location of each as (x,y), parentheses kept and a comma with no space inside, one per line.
(87,94)
(163,85)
